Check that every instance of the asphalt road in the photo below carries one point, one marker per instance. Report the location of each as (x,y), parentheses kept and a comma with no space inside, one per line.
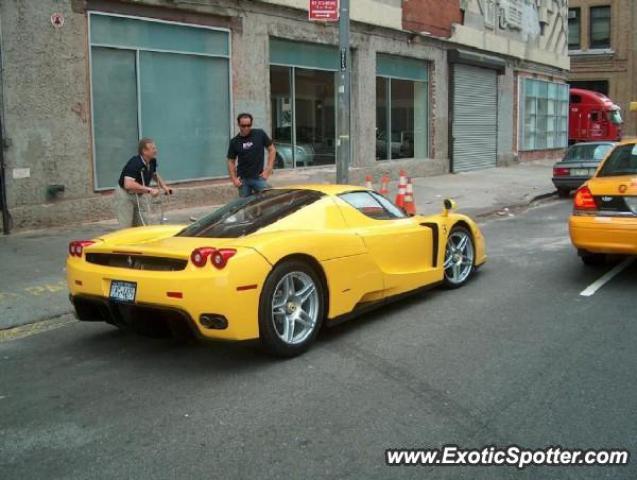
(517,356)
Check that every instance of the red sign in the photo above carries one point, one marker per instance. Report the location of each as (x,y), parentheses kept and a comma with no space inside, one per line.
(324,10)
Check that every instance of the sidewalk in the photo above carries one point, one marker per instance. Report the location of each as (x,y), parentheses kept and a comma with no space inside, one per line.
(33,284)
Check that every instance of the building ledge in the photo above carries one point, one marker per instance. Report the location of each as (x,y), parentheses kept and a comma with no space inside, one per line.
(591,52)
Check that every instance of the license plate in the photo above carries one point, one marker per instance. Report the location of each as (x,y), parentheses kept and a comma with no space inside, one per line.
(123,291)
(580,172)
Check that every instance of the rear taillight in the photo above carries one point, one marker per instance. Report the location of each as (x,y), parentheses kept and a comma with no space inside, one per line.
(560,171)
(220,257)
(76,247)
(199,256)
(584,199)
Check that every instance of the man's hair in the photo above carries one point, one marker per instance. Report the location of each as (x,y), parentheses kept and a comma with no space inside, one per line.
(143,143)
(244,115)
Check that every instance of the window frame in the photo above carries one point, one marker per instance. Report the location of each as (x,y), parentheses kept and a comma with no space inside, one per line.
(590,27)
(578,19)
(137,50)
(389,77)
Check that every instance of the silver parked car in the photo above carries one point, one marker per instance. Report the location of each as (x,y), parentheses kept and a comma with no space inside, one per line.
(578,165)
(304,154)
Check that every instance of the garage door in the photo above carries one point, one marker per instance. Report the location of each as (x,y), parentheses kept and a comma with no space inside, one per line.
(475,118)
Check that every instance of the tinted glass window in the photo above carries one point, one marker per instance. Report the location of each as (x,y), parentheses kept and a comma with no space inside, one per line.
(370,205)
(389,206)
(246,215)
(622,161)
(587,152)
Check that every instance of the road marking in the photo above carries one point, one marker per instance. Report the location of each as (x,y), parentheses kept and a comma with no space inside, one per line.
(593,287)
(37,327)
(35,290)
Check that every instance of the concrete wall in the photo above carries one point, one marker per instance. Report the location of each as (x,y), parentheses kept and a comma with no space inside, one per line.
(530,31)
(46,105)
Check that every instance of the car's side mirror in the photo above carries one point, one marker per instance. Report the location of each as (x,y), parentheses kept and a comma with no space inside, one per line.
(449,204)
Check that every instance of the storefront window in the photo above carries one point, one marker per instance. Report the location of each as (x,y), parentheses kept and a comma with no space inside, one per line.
(180,98)
(303,102)
(401,108)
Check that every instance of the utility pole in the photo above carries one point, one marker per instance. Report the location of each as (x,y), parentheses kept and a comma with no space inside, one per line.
(343,97)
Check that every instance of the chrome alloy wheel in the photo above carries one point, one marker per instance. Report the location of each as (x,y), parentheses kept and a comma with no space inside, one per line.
(459,257)
(295,307)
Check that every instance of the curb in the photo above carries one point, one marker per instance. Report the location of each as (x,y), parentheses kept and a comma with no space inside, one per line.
(495,209)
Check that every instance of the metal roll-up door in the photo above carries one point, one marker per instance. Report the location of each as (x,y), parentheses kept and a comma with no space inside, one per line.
(475,118)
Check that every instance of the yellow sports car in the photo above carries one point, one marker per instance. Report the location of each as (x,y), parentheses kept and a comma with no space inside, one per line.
(604,219)
(273,266)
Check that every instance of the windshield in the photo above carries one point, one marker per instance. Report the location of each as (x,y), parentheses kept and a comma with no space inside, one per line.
(246,215)
(594,151)
(615,117)
(621,161)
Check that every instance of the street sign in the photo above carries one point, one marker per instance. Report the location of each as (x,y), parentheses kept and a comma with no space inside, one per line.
(323,10)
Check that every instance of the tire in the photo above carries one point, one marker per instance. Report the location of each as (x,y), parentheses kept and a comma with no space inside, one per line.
(593,259)
(460,256)
(563,192)
(288,322)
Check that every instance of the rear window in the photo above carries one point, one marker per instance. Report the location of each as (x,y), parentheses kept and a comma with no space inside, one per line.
(587,152)
(246,215)
(622,161)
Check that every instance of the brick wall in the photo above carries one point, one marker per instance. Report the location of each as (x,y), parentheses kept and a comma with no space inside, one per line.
(432,16)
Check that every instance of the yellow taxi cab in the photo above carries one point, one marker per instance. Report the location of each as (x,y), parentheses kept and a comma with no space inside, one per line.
(604,219)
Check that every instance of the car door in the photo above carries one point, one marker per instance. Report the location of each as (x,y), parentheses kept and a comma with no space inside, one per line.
(400,245)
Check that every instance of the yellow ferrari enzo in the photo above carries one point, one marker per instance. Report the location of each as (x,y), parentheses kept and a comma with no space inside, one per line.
(273,266)
(604,219)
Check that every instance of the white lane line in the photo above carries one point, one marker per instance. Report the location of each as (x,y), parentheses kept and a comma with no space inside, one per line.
(593,287)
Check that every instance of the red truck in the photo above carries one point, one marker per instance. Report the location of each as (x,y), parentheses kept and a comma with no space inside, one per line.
(592,117)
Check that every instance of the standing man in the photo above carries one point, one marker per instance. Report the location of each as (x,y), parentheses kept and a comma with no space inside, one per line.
(245,157)
(135,181)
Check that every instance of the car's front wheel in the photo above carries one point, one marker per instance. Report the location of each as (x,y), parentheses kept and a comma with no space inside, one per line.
(459,257)
(291,309)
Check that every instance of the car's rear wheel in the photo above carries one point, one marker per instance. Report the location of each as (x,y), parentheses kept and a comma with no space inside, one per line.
(291,309)
(592,259)
(459,257)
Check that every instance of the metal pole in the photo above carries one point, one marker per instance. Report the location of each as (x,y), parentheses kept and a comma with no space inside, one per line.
(6,216)
(343,97)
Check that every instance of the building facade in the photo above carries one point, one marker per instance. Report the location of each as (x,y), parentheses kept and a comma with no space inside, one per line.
(437,86)
(602,45)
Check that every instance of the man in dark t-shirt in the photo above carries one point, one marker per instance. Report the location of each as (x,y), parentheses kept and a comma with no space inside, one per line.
(135,180)
(246,159)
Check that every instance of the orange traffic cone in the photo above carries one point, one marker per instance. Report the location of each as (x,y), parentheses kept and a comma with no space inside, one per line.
(369,182)
(409,205)
(384,185)
(402,185)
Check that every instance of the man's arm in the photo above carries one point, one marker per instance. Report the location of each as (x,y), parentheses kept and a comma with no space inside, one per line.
(232,171)
(270,167)
(162,184)
(131,186)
